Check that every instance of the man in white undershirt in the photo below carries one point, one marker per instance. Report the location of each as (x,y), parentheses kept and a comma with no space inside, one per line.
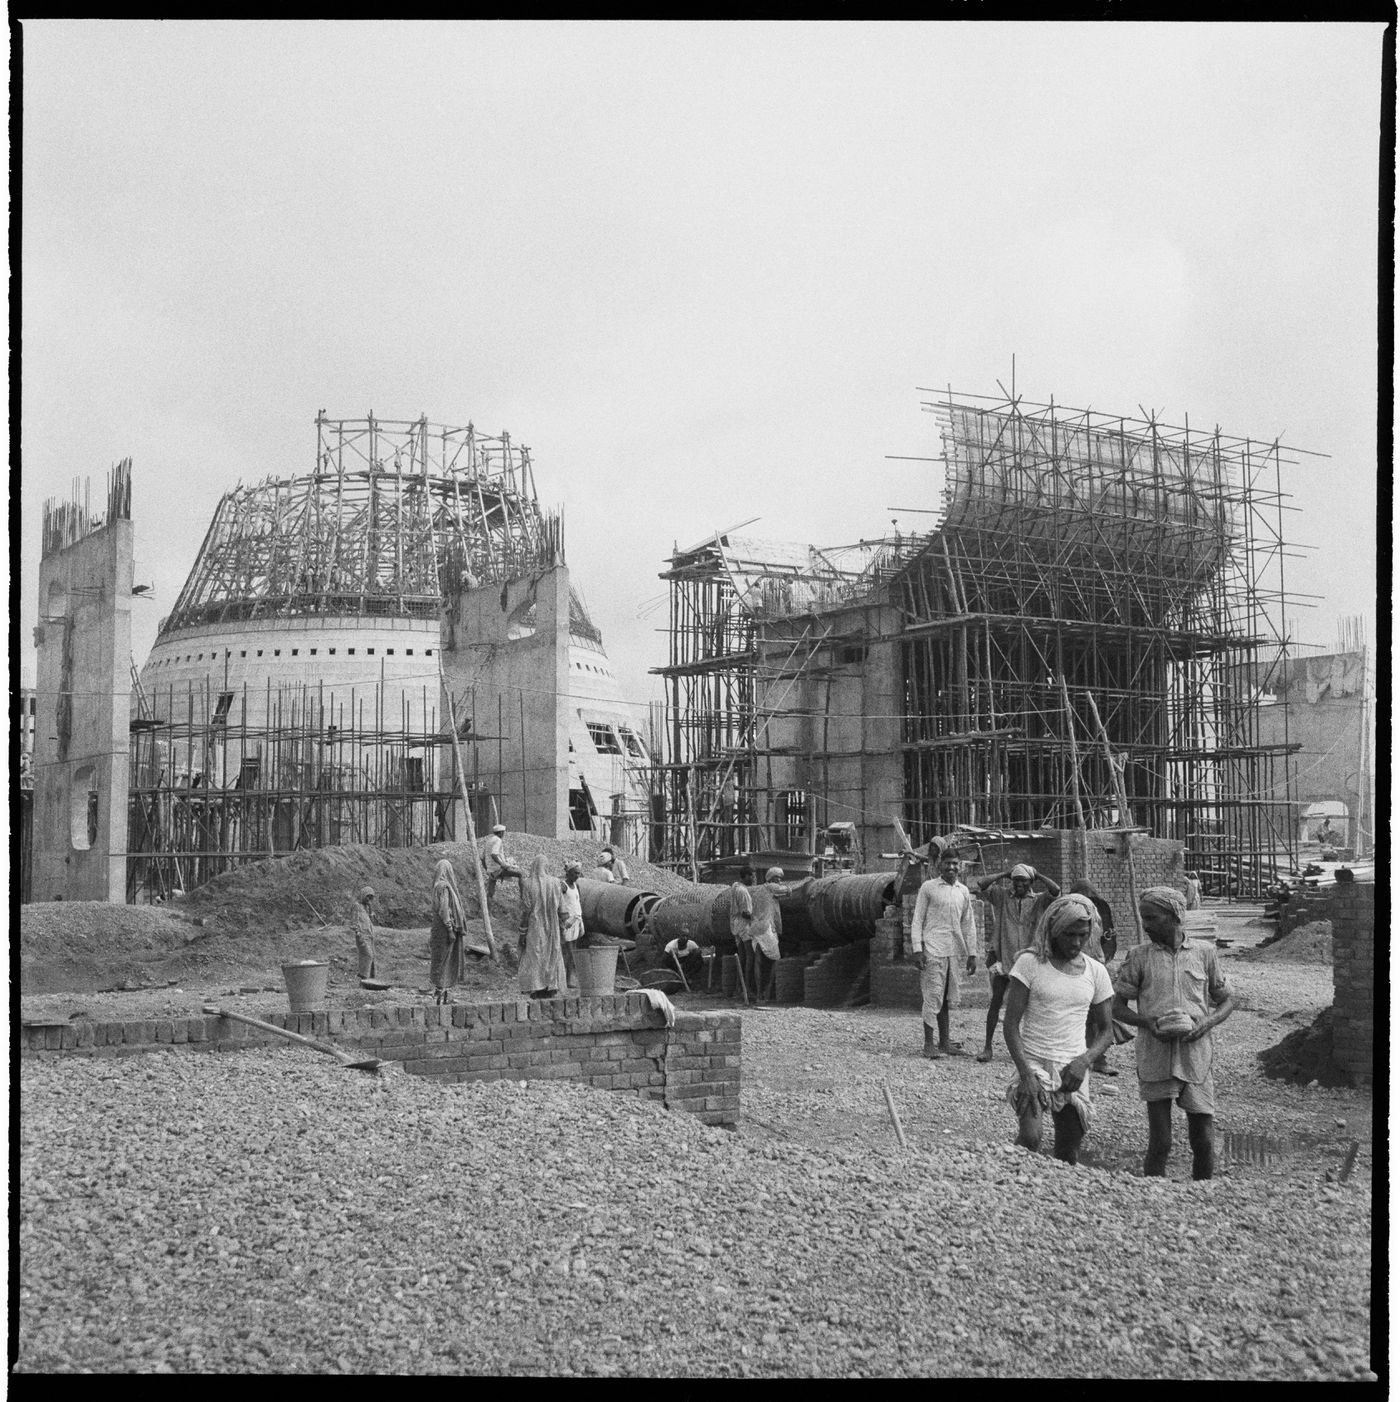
(1055,989)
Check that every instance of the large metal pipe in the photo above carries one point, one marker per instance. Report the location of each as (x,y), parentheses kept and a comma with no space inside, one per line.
(845,907)
(700,914)
(621,912)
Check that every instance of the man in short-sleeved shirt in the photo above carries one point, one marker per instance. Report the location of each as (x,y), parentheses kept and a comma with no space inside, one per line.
(1171,974)
(1016,906)
(942,936)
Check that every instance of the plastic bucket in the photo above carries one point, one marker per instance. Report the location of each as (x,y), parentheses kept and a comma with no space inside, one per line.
(596,967)
(306,985)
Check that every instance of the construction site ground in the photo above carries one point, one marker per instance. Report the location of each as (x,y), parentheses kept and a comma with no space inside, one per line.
(813,1085)
(224,946)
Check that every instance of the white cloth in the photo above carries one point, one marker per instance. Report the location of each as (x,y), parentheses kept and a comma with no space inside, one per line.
(1048,1074)
(600,874)
(573,914)
(660,1003)
(943,925)
(493,852)
(683,951)
(1058,1006)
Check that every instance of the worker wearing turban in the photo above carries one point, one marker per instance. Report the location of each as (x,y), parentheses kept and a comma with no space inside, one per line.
(1060,915)
(1056,993)
(1166,898)
(1175,983)
(1016,909)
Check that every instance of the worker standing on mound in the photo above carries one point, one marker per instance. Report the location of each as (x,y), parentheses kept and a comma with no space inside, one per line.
(362,927)
(495,865)
(1181,994)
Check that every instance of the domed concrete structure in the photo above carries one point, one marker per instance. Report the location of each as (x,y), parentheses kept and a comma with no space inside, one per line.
(308,647)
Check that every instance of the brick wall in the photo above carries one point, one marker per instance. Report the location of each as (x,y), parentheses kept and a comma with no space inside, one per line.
(1352,911)
(614,1042)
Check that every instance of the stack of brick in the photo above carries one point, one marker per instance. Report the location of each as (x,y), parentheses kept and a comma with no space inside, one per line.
(1352,910)
(791,976)
(1304,906)
(614,1042)
(840,978)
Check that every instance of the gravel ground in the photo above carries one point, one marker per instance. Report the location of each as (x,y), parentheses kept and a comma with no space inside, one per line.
(268,1211)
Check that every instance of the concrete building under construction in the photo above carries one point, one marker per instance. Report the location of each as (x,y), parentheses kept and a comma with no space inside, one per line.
(1081,640)
(348,636)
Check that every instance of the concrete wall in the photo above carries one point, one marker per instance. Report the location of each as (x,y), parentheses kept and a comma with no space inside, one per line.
(838,722)
(346,657)
(616,1042)
(82,720)
(506,662)
(1320,701)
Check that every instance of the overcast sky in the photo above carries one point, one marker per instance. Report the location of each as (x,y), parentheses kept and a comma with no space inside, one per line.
(700,269)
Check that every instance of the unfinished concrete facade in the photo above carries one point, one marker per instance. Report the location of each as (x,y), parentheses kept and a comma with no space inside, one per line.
(83,689)
(1079,642)
(1321,705)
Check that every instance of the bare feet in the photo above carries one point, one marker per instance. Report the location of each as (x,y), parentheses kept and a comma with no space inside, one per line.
(985,1054)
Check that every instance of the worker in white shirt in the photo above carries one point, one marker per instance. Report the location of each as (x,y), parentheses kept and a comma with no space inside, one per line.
(494,863)
(687,955)
(616,867)
(942,936)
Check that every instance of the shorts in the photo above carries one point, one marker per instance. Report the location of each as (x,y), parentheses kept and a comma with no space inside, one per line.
(940,986)
(1195,1097)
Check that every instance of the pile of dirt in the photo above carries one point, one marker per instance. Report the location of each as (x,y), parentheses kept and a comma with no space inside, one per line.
(244,924)
(1305,1056)
(1308,944)
(90,944)
(318,887)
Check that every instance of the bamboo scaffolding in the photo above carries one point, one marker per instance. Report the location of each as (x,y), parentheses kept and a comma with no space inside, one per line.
(1075,552)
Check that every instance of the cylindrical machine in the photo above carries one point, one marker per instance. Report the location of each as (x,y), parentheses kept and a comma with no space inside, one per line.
(700,914)
(845,907)
(618,911)
(797,922)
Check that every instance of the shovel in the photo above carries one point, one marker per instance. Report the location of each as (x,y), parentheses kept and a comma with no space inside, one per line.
(345,1059)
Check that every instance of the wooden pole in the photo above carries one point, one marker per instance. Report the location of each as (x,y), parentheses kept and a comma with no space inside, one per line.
(1074,779)
(1125,816)
(685,981)
(461,784)
(894,1117)
(524,791)
(690,822)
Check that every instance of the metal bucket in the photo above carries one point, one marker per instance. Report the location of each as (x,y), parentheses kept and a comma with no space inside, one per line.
(306,985)
(845,907)
(596,966)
